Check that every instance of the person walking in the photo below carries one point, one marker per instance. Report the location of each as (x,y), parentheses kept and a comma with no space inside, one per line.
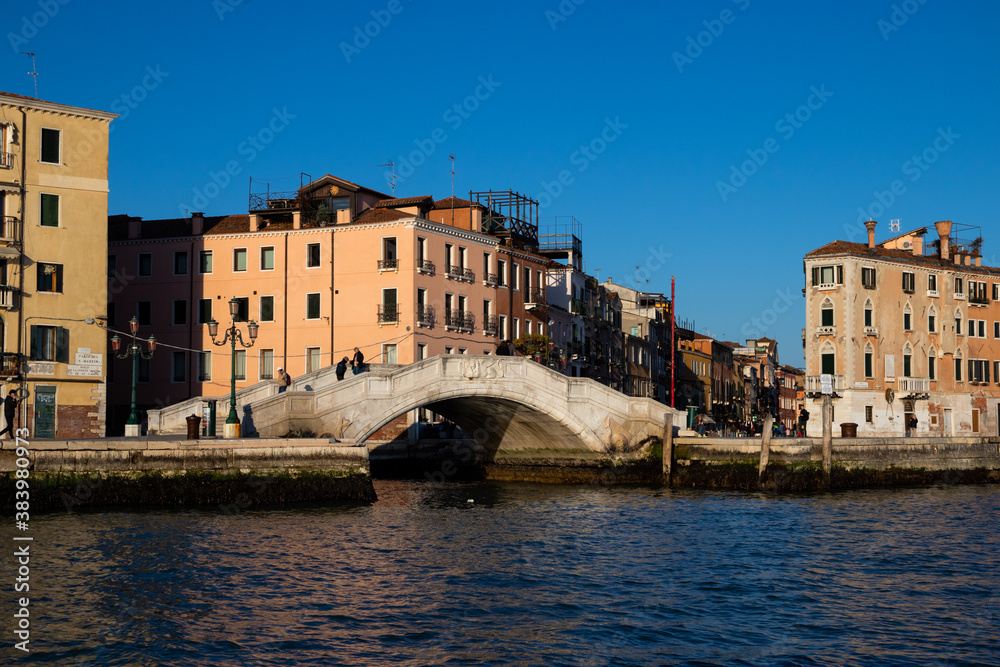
(358,362)
(9,411)
(803,420)
(911,425)
(342,368)
(282,380)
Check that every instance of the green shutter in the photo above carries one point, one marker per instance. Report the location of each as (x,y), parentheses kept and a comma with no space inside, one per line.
(840,274)
(33,354)
(62,345)
(59,277)
(50,210)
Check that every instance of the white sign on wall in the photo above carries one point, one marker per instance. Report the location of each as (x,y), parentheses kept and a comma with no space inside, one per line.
(890,367)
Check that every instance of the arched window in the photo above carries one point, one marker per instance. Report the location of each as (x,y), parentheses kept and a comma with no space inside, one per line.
(932,319)
(932,364)
(826,313)
(869,313)
(907,361)
(907,318)
(869,361)
(828,359)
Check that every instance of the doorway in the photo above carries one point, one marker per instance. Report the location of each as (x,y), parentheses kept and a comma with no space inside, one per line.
(947,421)
(45,412)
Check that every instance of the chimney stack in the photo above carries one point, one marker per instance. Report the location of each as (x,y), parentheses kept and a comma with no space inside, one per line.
(197,223)
(870,226)
(944,229)
(134,227)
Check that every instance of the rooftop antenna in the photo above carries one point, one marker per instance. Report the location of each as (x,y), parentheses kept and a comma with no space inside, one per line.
(452,189)
(33,73)
(894,225)
(392,179)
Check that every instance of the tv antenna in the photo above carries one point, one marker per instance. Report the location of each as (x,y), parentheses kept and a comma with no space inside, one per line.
(33,72)
(452,157)
(894,225)
(392,179)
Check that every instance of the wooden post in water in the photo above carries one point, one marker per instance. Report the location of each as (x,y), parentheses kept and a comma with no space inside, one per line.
(668,451)
(765,448)
(827,440)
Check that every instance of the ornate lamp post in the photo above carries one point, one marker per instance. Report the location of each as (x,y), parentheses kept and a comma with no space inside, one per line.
(134,350)
(232,428)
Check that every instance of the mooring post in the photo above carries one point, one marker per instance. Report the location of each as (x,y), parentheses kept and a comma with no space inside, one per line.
(765,448)
(827,440)
(668,451)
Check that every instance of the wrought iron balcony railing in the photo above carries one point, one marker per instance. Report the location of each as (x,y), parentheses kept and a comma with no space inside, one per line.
(469,275)
(425,266)
(534,298)
(388,265)
(10,364)
(490,326)
(388,314)
(579,307)
(490,279)
(425,316)
(459,320)
(454,272)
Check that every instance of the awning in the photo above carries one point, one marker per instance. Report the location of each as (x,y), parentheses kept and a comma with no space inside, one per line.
(7,251)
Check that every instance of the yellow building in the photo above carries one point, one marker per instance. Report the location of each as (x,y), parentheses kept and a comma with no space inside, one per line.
(53,283)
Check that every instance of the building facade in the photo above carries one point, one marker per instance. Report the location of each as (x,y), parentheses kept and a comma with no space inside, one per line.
(53,291)
(905,329)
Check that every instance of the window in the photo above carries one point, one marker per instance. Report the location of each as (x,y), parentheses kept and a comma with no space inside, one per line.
(996,372)
(977,292)
(389,353)
(112,265)
(958,367)
(486,265)
(50,145)
(527,279)
(312,255)
(312,359)
(143,312)
(908,281)
(868,414)
(979,370)
(931,323)
(421,351)
(932,282)
(826,314)
(266,309)
(868,278)
(517,328)
(448,349)
(205,366)
(204,310)
(462,255)
(972,328)
(907,318)
(50,210)
(931,365)
(982,328)
(502,321)
(243,309)
(996,329)
(975,420)
(828,276)
(145,262)
(49,343)
(180,263)
(239,260)
(241,364)
(907,362)
(267,364)
(50,277)
(868,313)
(179,312)
(463,350)
(958,322)
(959,286)
(421,251)
(389,258)
(312,306)
(501,273)
(267,259)
(869,361)
(996,291)
(514,277)
(828,358)
(178,366)
(205,261)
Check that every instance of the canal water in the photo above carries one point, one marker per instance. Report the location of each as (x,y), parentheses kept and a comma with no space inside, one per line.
(512,574)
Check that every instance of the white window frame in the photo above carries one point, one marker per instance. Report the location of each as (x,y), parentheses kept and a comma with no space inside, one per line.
(313,355)
(319,260)
(205,366)
(262,362)
(41,144)
(319,310)
(201,255)
(274,259)
(246,260)
(59,199)
(260,307)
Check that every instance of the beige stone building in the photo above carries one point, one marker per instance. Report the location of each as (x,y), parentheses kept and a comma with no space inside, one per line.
(906,328)
(53,287)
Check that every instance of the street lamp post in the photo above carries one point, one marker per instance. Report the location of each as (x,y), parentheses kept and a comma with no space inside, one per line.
(134,350)
(232,334)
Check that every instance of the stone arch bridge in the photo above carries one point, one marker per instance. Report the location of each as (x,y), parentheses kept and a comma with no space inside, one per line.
(505,403)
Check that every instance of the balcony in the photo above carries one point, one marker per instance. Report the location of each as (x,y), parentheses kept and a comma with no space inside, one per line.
(960,296)
(388,265)
(979,300)
(871,331)
(10,364)
(468,275)
(425,316)
(490,326)
(425,267)
(914,385)
(388,314)
(814,384)
(933,293)
(454,272)
(826,331)
(8,297)
(6,160)
(578,307)
(459,320)
(535,299)
(11,230)
(490,279)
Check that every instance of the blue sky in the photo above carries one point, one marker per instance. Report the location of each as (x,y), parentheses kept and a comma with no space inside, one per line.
(714,141)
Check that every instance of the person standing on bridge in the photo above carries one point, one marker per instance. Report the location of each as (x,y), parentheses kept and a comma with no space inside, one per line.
(282,380)
(358,362)
(342,369)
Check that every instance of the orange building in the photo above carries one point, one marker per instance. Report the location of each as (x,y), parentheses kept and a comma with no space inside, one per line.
(323,269)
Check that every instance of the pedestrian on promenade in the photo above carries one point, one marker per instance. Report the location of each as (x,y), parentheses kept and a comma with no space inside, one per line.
(342,368)
(9,410)
(503,350)
(358,362)
(282,380)
(803,420)
(911,425)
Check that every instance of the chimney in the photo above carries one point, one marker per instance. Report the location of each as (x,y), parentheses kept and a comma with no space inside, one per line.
(918,246)
(134,227)
(943,229)
(978,260)
(254,222)
(870,226)
(197,223)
